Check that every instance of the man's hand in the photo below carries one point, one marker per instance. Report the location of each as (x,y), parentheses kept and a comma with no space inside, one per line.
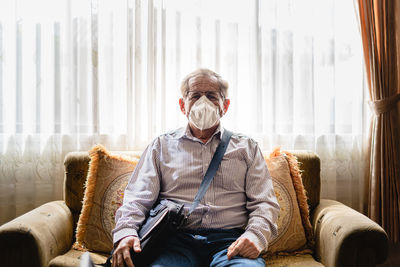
(122,254)
(243,247)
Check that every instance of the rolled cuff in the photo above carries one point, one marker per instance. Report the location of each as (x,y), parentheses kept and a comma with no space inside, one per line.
(122,233)
(259,241)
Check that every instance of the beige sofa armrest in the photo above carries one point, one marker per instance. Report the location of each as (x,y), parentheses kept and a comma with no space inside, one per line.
(36,237)
(345,237)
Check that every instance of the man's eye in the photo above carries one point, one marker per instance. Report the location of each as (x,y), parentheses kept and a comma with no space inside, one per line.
(212,97)
(195,97)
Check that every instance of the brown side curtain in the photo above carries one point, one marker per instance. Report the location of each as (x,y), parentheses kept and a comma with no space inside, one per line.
(379,20)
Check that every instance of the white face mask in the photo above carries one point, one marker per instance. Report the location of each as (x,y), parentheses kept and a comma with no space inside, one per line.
(204,114)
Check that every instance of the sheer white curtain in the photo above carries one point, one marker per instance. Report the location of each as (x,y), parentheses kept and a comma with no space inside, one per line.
(74,73)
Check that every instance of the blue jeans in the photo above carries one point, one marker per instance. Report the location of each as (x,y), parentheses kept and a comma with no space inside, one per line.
(199,248)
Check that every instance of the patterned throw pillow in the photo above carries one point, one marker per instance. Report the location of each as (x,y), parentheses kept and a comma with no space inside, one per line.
(294,227)
(104,191)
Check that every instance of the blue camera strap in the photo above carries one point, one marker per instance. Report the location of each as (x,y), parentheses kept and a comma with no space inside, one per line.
(212,170)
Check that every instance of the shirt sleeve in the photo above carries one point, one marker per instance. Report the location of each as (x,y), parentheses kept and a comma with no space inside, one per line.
(261,203)
(140,194)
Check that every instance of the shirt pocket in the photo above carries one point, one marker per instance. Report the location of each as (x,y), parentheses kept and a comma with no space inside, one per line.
(233,174)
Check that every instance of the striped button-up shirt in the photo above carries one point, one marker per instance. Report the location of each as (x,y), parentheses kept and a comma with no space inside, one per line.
(172,167)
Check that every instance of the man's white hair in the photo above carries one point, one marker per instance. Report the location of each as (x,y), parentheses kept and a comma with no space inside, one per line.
(223,85)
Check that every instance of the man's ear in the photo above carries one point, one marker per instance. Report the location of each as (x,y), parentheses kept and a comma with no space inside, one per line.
(227,102)
(182,106)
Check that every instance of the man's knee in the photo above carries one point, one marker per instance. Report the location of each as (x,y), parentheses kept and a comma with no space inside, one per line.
(245,262)
(220,259)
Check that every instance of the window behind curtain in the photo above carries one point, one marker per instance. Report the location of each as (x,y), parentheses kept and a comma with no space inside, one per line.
(76,73)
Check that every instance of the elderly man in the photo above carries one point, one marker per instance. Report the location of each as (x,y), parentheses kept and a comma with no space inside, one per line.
(235,220)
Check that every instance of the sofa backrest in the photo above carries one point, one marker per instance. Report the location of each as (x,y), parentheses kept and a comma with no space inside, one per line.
(310,166)
(77,165)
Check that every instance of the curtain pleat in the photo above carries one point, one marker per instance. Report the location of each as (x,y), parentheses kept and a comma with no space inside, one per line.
(380,35)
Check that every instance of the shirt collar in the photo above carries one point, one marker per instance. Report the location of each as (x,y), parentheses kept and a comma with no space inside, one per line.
(186,133)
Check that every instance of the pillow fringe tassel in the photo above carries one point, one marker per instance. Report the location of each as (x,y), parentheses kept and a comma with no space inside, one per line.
(95,154)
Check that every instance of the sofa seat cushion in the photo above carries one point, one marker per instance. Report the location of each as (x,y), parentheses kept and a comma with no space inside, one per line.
(293,261)
(73,257)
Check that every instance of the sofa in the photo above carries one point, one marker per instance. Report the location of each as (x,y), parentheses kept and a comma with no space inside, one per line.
(45,235)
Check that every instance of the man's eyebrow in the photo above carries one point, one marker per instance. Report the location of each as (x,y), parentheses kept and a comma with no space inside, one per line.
(194,92)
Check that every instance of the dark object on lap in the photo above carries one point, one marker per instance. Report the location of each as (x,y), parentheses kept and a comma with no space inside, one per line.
(162,222)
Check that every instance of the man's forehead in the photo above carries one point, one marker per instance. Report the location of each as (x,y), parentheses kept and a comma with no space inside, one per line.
(203,83)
